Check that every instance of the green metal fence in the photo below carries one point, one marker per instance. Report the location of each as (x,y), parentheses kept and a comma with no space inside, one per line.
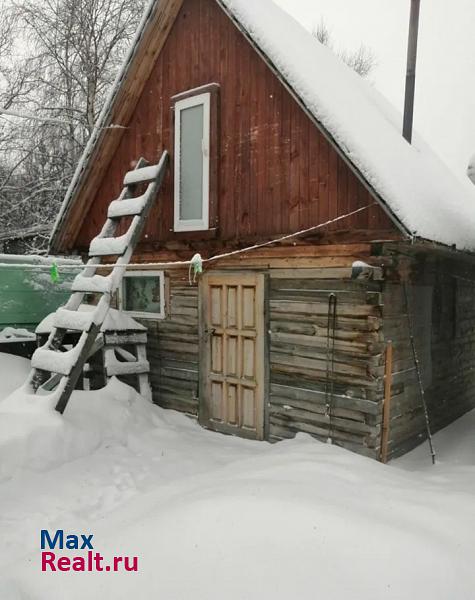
(27,292)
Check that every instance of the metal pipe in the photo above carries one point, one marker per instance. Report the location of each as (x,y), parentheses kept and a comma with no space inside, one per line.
(411,70)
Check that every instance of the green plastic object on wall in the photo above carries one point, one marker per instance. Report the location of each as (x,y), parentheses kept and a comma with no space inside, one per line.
(54,272)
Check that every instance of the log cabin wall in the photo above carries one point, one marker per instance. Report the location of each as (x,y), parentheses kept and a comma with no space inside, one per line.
(441,290)
(173,347)
(369,313)
(297,360)
(308,371)
(276,172)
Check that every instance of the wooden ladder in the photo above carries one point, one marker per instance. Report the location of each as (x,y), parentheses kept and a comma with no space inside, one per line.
(58,370)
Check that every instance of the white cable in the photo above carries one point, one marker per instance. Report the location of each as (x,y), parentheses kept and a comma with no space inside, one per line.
(186,263)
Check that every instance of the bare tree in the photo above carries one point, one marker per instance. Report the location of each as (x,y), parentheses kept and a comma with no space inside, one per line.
(61,80)
(362,60)
(79,44)
(322,33)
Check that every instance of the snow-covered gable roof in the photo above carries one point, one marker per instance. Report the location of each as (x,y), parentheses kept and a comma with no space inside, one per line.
(425,197)
(422,192)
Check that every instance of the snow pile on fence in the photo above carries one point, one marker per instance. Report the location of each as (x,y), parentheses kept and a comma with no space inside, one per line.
(420,189)
(34,259)
(14,334)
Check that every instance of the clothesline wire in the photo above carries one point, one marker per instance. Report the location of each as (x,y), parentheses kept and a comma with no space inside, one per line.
(185,263)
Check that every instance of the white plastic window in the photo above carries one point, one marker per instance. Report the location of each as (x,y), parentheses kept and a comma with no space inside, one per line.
(142,294)
(192,163)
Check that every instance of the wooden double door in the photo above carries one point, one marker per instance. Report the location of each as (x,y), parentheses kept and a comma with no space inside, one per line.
(232,344)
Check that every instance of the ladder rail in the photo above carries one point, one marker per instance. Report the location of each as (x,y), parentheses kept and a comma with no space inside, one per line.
(39,380)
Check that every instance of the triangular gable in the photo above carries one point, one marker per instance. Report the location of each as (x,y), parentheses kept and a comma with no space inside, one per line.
(320,83)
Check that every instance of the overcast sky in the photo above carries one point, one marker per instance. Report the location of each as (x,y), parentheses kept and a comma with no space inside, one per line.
(445,96)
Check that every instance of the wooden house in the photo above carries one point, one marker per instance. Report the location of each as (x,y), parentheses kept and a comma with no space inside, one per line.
(271,136)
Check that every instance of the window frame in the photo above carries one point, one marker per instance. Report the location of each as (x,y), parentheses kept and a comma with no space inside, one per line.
(203,224)
(139,314)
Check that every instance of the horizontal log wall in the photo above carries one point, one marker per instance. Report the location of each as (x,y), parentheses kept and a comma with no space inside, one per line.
(299,359)
(173,347)
(450,387)
(297,300)
(369,313)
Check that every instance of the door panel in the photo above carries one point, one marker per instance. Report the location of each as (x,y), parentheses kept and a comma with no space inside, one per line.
(232,352)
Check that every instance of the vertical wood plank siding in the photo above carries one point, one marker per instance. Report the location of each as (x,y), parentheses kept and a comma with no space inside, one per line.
(277,173)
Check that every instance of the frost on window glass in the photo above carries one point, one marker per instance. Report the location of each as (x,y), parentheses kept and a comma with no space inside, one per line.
(142,294)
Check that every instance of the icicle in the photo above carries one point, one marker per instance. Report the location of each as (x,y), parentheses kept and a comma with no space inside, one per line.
(196,264)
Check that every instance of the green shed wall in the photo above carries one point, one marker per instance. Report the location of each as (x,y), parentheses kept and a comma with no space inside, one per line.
(27,295)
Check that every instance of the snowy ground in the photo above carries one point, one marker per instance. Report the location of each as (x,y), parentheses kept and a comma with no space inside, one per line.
(213,517)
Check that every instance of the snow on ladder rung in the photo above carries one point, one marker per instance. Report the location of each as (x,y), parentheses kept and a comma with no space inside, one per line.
(144,175)
(97,284)
(127,208)
(54,361)
(110,246)
(72,319)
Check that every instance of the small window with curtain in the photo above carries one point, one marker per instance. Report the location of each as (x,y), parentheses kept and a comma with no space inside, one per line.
(194,158)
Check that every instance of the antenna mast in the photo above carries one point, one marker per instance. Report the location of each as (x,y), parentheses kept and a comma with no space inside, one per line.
(411,70)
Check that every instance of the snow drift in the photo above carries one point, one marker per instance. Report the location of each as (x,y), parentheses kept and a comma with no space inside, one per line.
(211,516)
(33,436)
